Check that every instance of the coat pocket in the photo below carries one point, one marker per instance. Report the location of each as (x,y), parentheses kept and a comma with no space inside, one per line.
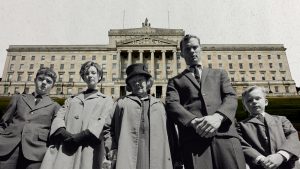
(43,135)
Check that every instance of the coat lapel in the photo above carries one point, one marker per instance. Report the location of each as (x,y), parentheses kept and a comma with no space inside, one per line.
(190,76)
(255,121)
(272,129)
(29,100)
(203,76)
(46,101)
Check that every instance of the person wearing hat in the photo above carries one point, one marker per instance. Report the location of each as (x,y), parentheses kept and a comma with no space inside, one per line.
(135,132)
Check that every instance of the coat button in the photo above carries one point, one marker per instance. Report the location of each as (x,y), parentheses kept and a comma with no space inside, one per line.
(203,94)
(76,117)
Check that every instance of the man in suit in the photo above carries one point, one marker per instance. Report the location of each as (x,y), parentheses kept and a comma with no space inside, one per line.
(25,125)
(268,141)
(202,103)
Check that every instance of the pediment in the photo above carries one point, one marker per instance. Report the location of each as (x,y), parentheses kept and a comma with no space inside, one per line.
(147,41)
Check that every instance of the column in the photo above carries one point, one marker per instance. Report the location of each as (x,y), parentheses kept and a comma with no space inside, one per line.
(175,69)
(163,64)
(152,65)
(118,74)
(141,56)
(129,57)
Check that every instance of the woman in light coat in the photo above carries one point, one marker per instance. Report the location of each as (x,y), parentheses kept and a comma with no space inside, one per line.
(136,133)
(76,130)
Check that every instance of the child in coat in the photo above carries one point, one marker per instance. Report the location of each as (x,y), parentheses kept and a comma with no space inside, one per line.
(268,141)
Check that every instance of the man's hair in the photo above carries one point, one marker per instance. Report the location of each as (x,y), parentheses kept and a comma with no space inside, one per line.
(251,88)
(47,72)
(186,38)
(85,67)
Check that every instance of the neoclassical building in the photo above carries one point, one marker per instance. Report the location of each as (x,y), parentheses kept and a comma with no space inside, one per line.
(247,64)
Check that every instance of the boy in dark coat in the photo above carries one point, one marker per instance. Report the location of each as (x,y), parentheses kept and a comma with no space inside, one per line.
(25,126)
(268,141)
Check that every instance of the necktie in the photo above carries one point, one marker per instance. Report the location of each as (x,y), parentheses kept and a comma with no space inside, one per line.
(38,98)
(195,70)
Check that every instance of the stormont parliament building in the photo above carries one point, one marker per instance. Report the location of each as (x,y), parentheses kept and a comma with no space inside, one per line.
(247,64)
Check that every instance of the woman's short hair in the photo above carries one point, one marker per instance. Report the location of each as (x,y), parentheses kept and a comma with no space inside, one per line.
(86,67)
(47,72)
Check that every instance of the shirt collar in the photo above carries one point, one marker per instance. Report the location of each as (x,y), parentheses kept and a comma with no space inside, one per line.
(199,66)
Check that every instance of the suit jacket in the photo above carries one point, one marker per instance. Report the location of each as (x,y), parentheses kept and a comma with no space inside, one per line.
(27,123)
(282,136)
(184,96)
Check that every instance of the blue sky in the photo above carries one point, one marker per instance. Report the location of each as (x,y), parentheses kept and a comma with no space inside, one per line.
(72,22)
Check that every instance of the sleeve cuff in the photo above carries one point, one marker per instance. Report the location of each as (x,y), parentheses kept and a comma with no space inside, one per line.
(285,154)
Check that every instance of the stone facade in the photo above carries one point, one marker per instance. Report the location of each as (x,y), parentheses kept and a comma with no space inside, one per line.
(248,64)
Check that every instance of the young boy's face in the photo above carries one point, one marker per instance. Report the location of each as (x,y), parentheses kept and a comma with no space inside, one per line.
(43,84)
(255,102)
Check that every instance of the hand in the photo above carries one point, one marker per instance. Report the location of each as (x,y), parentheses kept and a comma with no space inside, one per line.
(209,125)
(272,161)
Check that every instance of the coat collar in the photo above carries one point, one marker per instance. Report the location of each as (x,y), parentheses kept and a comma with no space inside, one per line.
(80,96)
(190,76)
(29,99)
(153,100)
(254,120)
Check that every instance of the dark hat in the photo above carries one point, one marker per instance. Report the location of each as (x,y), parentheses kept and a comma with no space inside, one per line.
(137,69)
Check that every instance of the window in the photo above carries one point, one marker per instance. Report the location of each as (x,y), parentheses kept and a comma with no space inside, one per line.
(41,65)
(23,58)
(31,66)
(29,77)
(271,65)
(178,65)
(114,76)
(60,77)
(287,89)
(241,65)
(243,79)
(104,76)
(58,90)
(273,77)
(260,65)
(5,89)
(280,65)
(263,78)
(283,78)
(114,66)
(19,77)
(229,57)
(73,57)
(9,77)
(62,58)
(69,90)
(21,67)
(114,57)
(13,58)
(12,67)
(104,66)
(250,65)
(230,66)
(259,57)
(157,66)
(269,56)
(208,57)
(219,57)
(209,65)
(232,79)
(276,89)
(249,57)
(71,77)
(239,57)
(42,57)
(253,78)
(220,65)
(52,58)
(104,57)
(72,66)
(83,58)
(62,66)
(278,56)
(32,57)
(51,66)
(112,91)
(94,57)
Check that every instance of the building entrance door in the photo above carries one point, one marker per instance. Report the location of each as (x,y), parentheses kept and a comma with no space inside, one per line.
(158,91)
